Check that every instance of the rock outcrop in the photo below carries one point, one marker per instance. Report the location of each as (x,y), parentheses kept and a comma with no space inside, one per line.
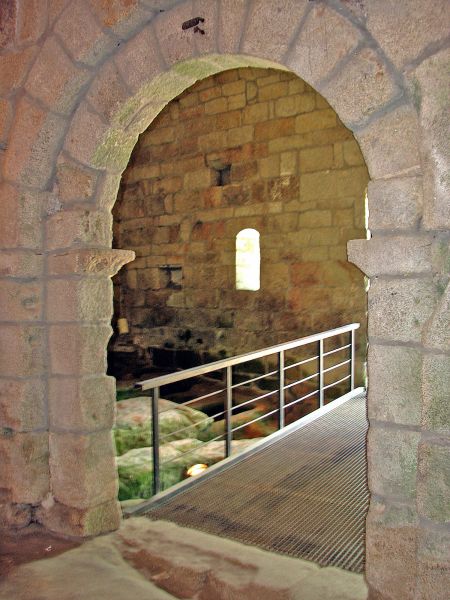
(176,422)
(135,467)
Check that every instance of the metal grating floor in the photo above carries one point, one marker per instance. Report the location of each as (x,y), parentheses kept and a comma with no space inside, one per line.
(304,496)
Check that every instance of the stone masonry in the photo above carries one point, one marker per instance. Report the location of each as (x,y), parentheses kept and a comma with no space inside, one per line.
(79,81)
(247,148)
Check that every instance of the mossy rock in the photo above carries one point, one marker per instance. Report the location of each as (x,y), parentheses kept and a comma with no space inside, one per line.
(135,468)
(134,422)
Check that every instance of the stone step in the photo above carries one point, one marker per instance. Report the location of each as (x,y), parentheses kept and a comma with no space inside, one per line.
(157,560)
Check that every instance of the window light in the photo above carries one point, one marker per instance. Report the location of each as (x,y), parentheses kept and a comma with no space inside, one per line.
(247,260)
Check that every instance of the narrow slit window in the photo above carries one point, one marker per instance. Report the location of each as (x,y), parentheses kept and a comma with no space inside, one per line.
(248,260)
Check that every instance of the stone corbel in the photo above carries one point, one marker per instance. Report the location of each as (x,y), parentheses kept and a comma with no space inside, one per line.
(392,255)
(89,261)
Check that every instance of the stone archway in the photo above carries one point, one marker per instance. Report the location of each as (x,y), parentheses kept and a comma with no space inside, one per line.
(97,79)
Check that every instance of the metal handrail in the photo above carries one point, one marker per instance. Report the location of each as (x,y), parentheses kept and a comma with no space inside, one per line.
(148,384)
(227,365)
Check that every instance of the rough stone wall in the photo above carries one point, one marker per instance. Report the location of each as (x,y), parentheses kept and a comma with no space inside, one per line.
(291,170)
(80,80)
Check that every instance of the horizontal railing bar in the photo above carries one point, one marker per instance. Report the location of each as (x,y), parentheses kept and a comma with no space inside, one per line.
(300,381)
(341,364)
(254,399)
(236,385)
(302,362)
(255,420)
(201,397)
(336,382)
(162,437)
(301,398)
(192,450)
(229,362)
(336,350)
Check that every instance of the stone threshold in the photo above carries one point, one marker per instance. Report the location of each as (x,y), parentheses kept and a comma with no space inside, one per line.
(157,560)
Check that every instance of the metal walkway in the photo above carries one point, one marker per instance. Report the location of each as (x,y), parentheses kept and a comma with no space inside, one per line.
(305,495)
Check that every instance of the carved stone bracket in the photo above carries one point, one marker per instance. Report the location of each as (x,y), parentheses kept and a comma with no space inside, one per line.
(89,261)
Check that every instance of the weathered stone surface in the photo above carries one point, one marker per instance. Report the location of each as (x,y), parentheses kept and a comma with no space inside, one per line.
(361,88)
(433,484)
(14,67)
(78,522)
(25,263)
(122,17)
(407,255)
(91,261)
(6,117)
(79,227)
(8,16)
(81,404)
(253,574)
(155,560)
(391,544)
(82,468)
(87,299)
(31,22)
(21,301)
(25,350)
(54,79)
(209,10)
(392,458)
(175,43)
(22,404)
(74,182)
(34,137)
(402,37)
(77,349)
(133,422)
(437,334)
(395,204)
(399,309)
(390,144)
(138,61)
(231,19)
(108,93)
(20,216)
(91,571)
(436,386)
(86,133)
(273,17)
(81,35)
(396,391)
(429,89)
(14,516)
(24,459)
(325,39)
(433,573)
(331,584)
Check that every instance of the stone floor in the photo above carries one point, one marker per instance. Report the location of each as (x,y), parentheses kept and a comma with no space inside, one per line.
(157,560)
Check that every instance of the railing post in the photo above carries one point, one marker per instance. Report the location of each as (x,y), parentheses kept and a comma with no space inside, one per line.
(281,389)
(228,413)
(320,373)
(155,440)
(352,359)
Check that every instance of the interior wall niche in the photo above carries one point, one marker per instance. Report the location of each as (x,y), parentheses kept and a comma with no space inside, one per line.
(247,148)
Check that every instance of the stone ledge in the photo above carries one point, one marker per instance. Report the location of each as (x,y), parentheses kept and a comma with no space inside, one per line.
(160,560)
(89,261)
(407,255)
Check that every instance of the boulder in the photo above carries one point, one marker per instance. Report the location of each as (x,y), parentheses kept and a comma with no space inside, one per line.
(135,467)
(134,422)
